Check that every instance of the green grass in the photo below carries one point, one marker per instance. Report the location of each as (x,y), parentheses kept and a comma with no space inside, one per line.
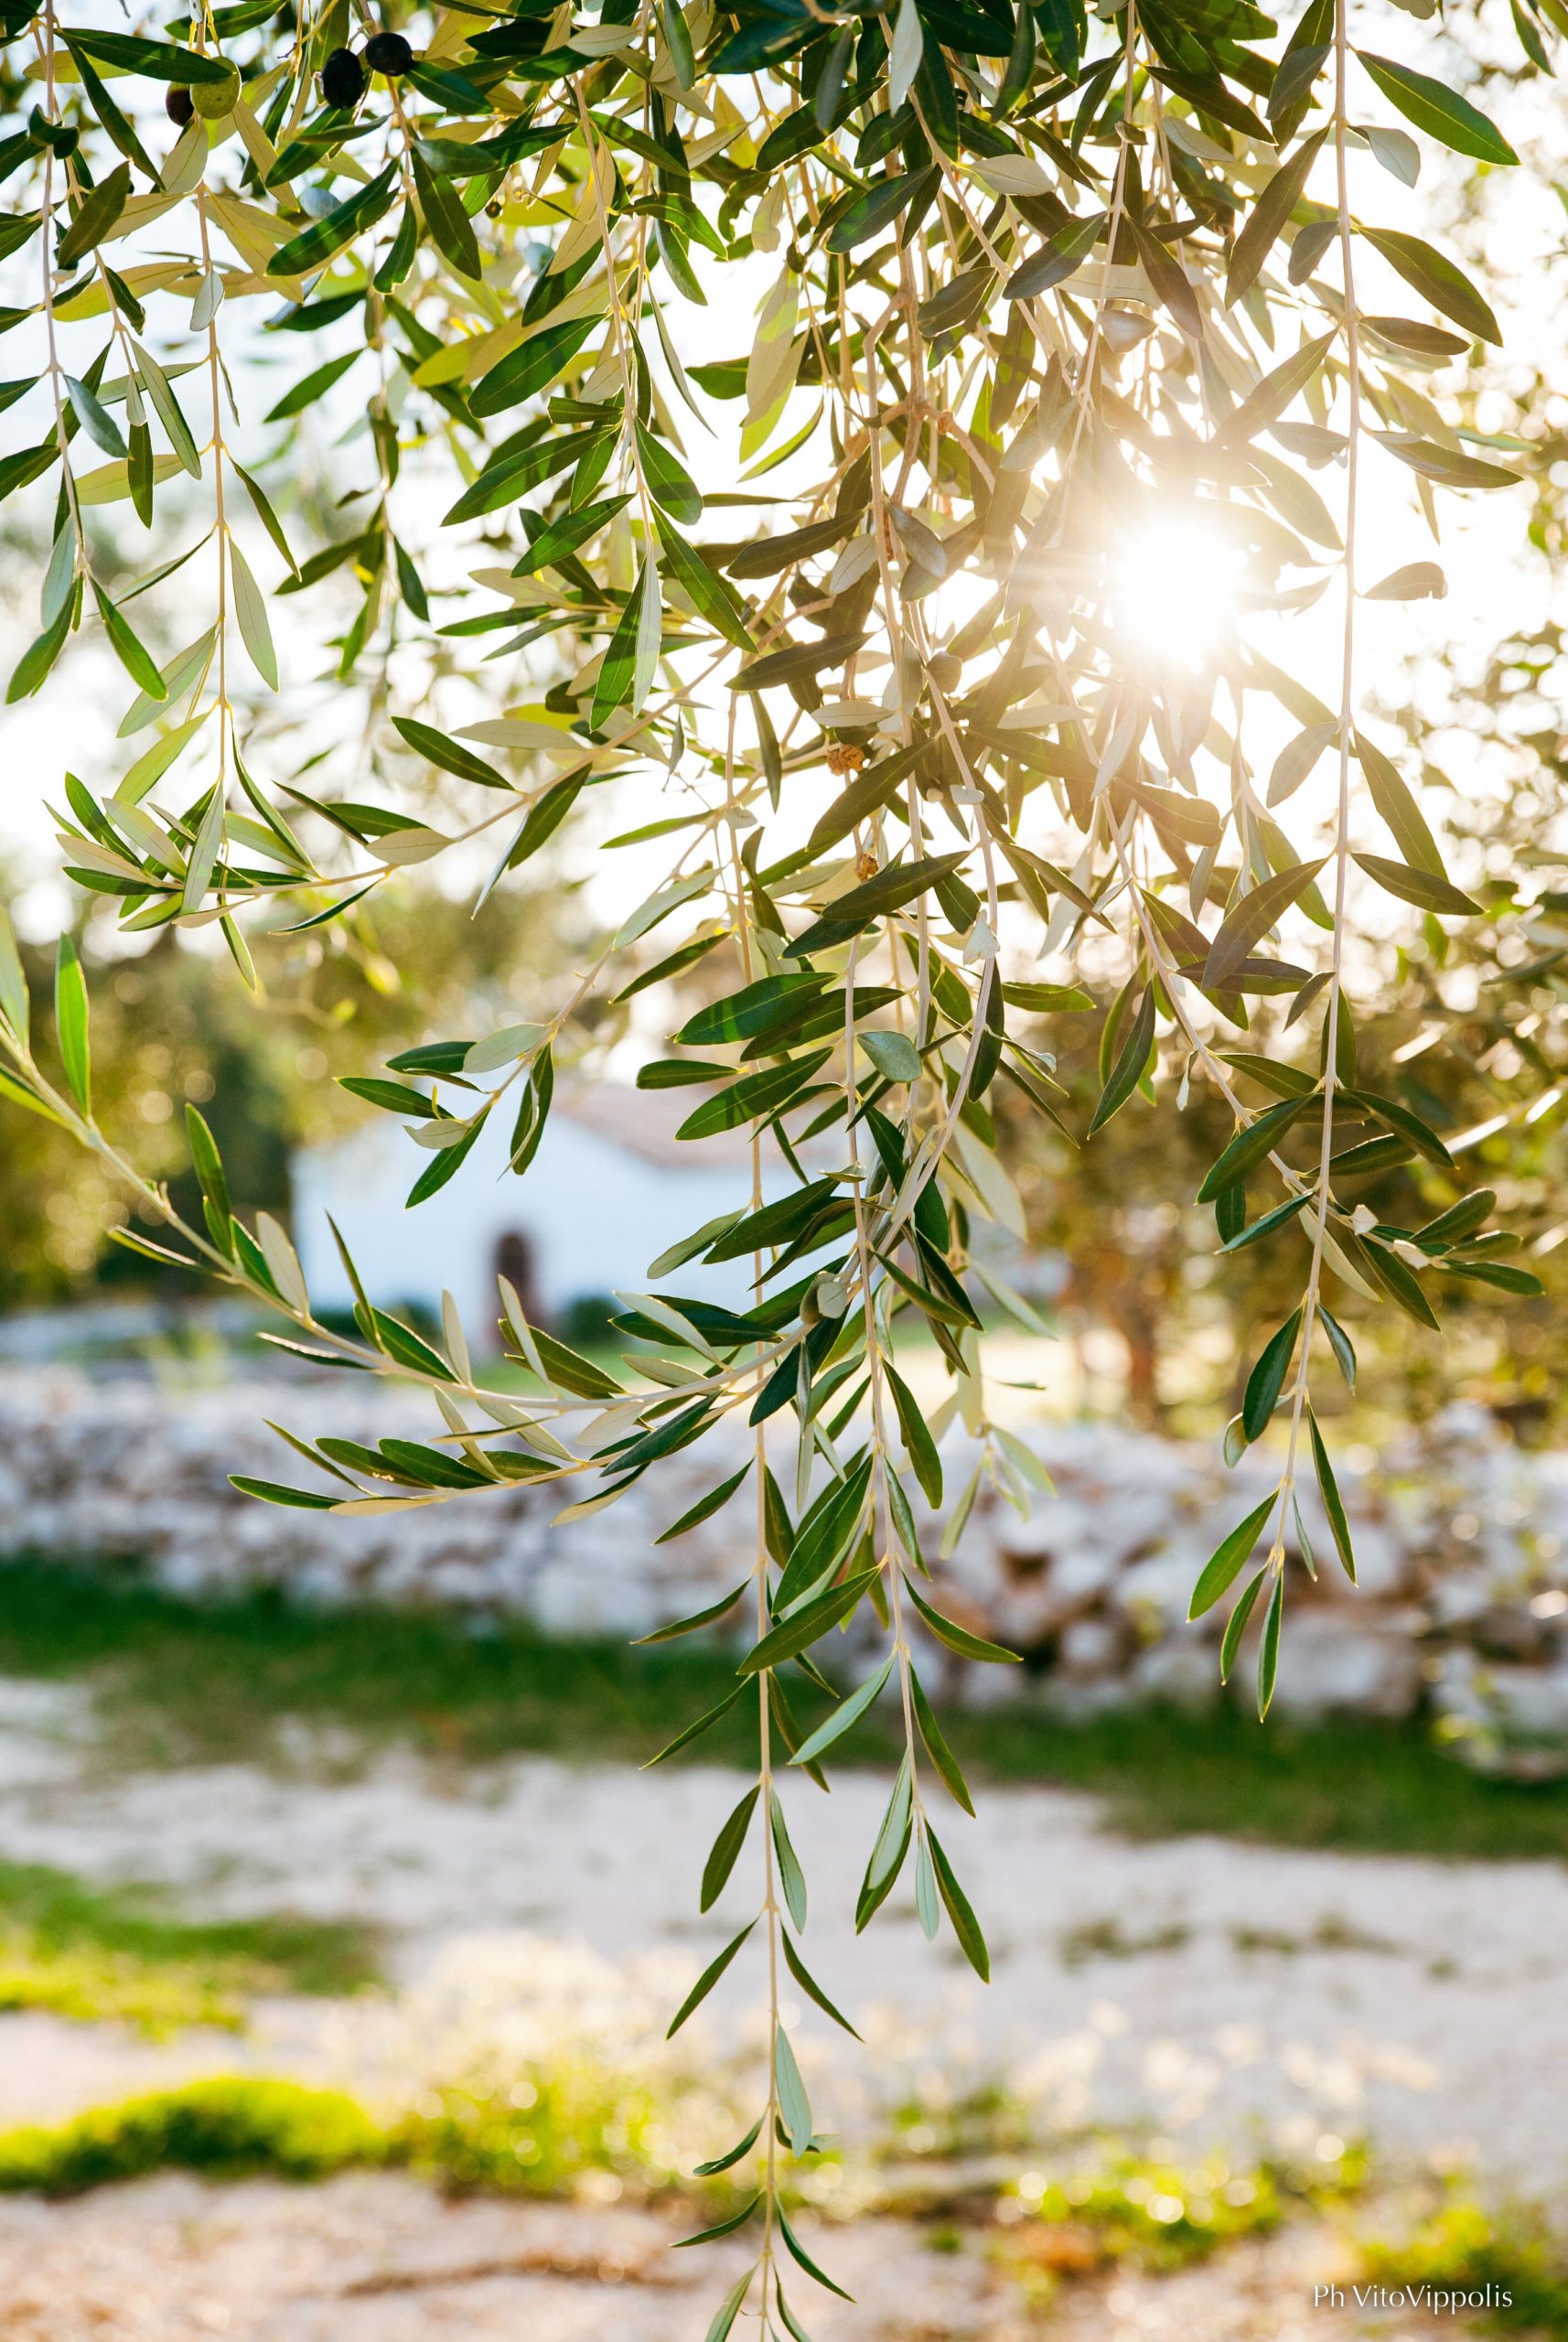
(1125,2207)
(91,1952)
(184,1682)
(543,2132)
(226,2127)
(570,2120)
(539,2136)
(1353,1788)
(180,1682)
(1102,2205)
(1464,2248)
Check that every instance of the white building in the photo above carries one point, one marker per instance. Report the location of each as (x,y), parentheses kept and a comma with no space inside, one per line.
(610,1188)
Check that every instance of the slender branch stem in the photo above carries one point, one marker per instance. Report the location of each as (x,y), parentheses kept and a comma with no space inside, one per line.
(215,374)
(1311,1302)
(772,1918)
(55,373)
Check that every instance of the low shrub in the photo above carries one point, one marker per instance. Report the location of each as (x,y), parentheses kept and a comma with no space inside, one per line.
(1510,2256)
(541,2133)
(226,2127)
(1120,2206)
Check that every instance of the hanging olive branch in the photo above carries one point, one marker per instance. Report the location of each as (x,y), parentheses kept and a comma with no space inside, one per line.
(1004,289)
(1331,1053)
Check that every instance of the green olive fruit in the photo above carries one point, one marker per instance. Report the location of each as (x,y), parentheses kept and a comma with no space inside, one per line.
(213,100)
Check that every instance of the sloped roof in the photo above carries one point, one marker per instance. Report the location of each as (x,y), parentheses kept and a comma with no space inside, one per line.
(645,1122)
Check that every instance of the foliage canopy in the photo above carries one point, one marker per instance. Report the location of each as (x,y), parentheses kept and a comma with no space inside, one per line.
(1033,286)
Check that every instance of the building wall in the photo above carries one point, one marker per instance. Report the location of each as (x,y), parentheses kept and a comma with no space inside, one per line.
(594,1215)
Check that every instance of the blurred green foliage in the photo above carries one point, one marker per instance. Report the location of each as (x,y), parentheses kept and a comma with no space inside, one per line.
(1461,2245)
(92,1952)
(173,1023)
(1141,1257)
(225,2128)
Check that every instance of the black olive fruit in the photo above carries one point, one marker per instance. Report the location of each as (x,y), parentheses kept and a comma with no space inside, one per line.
(214,100)
(343,79)
(388,53)
(179,103)
(493,208)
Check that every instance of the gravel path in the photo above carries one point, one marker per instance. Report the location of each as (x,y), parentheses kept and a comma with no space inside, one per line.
(1197,1983)
(1207,1987)
(378,2259)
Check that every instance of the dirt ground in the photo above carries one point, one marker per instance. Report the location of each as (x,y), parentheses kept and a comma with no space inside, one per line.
(1209,1989)
(1198,1984)
(379,2258)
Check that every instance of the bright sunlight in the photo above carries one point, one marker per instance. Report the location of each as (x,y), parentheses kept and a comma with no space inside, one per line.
(1173,589)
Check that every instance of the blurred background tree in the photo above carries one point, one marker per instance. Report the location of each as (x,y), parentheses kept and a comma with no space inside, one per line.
(1141,1260)
(175,1024)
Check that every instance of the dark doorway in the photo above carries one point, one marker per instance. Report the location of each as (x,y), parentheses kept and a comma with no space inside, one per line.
(514,1260)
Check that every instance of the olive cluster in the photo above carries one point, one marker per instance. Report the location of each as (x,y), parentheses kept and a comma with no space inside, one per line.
(345,78)
(346,74)
(211,100)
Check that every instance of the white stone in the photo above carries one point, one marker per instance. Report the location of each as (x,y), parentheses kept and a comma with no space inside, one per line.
(1182,1671)
(1090,1648)
(1523,1702)
(1156,1592)
(1099,1577)
(1383,1566)
(1330,1664)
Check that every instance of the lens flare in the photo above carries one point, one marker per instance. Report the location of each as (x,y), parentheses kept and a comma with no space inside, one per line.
(1173,589)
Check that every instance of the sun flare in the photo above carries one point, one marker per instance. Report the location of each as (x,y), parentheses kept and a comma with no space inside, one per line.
(1173,589)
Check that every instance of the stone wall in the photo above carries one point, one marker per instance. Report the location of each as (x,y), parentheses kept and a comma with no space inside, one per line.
(1462,1544)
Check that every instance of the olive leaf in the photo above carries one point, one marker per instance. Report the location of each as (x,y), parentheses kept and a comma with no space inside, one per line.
(1441,113)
